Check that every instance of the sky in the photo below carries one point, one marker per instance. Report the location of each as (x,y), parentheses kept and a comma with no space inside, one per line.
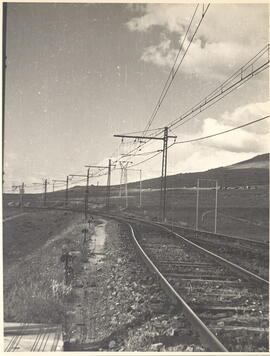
(79,73)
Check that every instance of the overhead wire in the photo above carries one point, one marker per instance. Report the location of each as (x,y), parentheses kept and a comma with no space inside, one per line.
(221,91)
(174,70)
(222,132)
(172,73)
(203,138)
(192,140)
(216,95)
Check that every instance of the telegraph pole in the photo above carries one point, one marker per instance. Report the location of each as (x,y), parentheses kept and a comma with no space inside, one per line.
(140,188)
(108,180)
(66,200)
(40,184)
(86,191)
(197,205)
(62,181)
(120,185)
(126,187)
(108,186)
(163,187)
(21,195)
(216,207)
(138,170)
(45,192)
(86,195)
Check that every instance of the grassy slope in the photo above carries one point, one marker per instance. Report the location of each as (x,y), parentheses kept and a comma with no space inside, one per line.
(32,266)
(240,212)
(26,233)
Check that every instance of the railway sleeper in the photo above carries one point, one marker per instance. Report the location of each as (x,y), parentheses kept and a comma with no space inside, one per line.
(241,320)
(240,329)
(200,277)
(186,264)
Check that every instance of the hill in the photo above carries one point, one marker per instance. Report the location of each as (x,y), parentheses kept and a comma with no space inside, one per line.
(254,171)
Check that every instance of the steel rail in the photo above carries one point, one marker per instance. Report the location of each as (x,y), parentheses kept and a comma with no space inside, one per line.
(239,270)
(205,232)
(206,336)
(247,275)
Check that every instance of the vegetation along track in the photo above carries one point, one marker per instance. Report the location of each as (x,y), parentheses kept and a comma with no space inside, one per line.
(234,308)
(225,303)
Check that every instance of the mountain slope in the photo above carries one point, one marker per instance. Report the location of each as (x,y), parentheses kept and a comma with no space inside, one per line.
(254,171)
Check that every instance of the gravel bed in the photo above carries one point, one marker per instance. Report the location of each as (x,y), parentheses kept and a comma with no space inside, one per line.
(246,333)
(119,306)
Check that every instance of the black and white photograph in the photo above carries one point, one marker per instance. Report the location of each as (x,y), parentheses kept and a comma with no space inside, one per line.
(135,177)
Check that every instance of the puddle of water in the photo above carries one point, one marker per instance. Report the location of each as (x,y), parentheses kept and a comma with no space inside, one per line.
(96,245)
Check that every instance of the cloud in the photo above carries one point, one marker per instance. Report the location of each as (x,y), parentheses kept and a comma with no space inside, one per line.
(172,17)
(239,19)
(219,47)
(249,139)
(247,113)
(161,54)
(219,151)
(235,141)
(208,60)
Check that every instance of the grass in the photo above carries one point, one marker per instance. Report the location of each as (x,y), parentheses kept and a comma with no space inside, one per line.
(33,285)
(240,212)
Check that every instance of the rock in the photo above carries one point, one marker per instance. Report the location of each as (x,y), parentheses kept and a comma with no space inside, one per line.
(189,348)
(199,348)
(112,344)
(171,332)
(156,347)
(78,284)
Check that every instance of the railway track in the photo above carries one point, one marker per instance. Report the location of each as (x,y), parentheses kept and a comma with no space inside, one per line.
(225,303)
(228,311)
(251,254)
